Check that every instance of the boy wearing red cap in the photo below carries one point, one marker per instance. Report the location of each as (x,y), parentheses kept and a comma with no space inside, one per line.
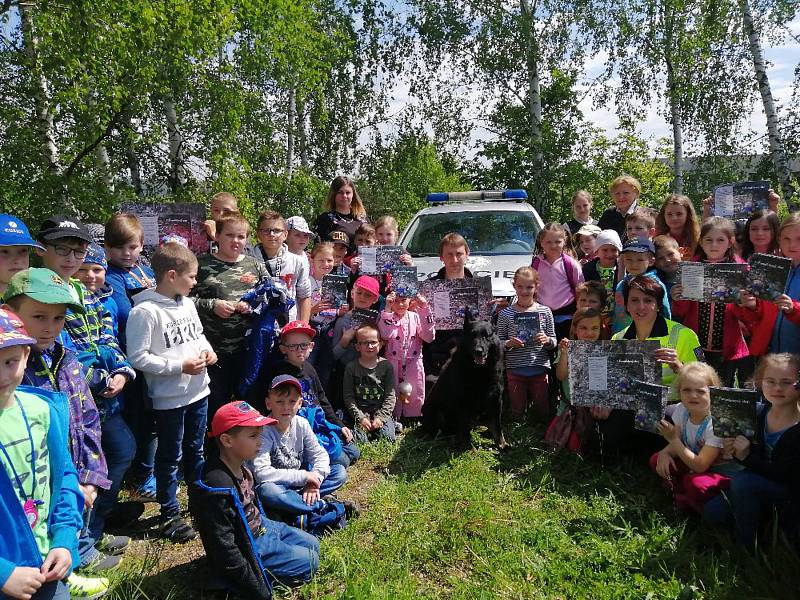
(248,549)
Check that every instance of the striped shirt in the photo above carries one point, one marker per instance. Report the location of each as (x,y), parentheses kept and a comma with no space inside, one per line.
(529,356)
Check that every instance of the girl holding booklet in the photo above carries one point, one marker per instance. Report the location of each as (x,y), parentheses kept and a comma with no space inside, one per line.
(715,323)
(527,356)
(770,482)
(690,463)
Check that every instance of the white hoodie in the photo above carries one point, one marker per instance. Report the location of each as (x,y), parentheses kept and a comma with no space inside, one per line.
(162,332)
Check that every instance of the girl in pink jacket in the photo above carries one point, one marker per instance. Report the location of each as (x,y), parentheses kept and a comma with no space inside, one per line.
(404,327)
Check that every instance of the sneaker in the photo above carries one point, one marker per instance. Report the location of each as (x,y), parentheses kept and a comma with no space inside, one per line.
(177,530)
(124,514)
(101,563)
(398,428)
(87,587)
(146,490)
(113,545)
(351,508)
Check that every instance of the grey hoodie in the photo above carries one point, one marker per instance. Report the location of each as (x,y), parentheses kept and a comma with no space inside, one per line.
(162,332)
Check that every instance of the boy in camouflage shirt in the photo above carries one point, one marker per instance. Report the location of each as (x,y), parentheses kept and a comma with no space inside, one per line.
(222,279)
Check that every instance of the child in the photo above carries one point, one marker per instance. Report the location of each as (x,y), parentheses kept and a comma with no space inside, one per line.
(585,242)
(581,211)
(341,246)
(625,191)
(92,274)
(15,245)
(559,275)
(592,294)
(220,202)
(292,471)
(527,361)
(166,342)
(760,234)
(668,259)
(586,326)
(678,219)
(387,234)
(323,313)
(605,267)
(640,224)
(638,258)
(769,482)
(368,389)
(222,279)
(690,463)
(298,236)
(41,299)
(404,328)
(296,343)
(249,550)
(282,265)
(41,503)
(715,323)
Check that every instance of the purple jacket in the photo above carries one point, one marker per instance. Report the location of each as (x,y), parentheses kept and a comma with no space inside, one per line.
(58,369)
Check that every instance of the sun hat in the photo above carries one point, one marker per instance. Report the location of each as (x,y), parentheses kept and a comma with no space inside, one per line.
(298,224)
(95,255)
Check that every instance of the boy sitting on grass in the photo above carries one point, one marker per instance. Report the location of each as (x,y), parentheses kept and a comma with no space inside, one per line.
(248,549)
(369,388)
(40,511)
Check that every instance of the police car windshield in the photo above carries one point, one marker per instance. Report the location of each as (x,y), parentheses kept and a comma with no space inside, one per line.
(487,233)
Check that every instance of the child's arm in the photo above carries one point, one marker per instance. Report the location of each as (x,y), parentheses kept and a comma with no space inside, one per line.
(314,455)
(263,470)
(562,366)
(698,463)
(549,327)
(349,393)
(427,326)
(66,513)
(342,333)
(139,333)
(389,398)
(86,437)
(322,398)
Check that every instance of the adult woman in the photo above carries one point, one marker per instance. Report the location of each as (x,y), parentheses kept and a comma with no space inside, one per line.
(344,210)
(581,212)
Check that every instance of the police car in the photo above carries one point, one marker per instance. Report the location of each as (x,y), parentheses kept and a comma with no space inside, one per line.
(499,226)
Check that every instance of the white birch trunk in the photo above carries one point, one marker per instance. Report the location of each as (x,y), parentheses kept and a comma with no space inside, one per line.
(175,140)
(534,107)
(132,156)
(291,118)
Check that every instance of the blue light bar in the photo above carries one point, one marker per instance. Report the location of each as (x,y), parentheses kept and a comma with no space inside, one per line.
(476,196)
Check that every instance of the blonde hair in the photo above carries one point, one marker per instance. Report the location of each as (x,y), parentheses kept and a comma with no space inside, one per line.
(389,222)
(629,179)
(224,197)
(582,314)
(527,273)
(580,193)
(697,369)
(122,229)
(790,221)
(321,246)
(231,217)
(776,361)
(172,257)
(453,239)
(691,228)
(552,227)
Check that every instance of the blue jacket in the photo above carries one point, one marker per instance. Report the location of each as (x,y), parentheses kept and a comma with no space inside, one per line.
(125,284)
(17,545)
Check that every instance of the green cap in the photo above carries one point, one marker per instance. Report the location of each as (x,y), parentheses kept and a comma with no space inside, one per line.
(45,286)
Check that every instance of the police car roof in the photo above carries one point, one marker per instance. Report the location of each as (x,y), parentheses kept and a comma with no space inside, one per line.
(485,206)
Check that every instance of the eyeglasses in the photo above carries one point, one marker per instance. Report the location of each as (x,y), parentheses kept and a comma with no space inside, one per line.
(79,253)
(271,231)
(300,346)
(368,343)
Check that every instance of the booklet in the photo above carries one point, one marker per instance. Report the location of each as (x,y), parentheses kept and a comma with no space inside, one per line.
(602,373)
(649,404)
(527,325)
(184,221)
(405,282)
(712,282)
(362,316)
(733,412)
(376,260)
(768,275)
(449,299)
(334,289)
(740,200)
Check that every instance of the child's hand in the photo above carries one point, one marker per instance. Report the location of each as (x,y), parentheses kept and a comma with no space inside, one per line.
(89,495)
(320,306)
(377,423)
(665,465)
(355,264)
(513,343)
(56,564)
(420,301)
(785,303)
(406,260)
(390,298)
(194,366)
(343,310)
(707,202)
(773,199)
(243,308)
(209,356)
(741,447)
(541,338)
(563,345)
(114,386)
(347,435)
(676,291)
(310,494)
(727,448)
(600,413)
(747,299)
(668,431)
(313,479)
(210,227)
(23,583)
(366,424)
(224,309)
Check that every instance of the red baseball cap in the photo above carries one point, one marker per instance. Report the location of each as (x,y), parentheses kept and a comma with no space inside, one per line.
(237,414)
(365,282)
(299,327)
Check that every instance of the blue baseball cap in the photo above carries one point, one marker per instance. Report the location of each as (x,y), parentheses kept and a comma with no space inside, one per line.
(95,255)
(640,244)
(13,232)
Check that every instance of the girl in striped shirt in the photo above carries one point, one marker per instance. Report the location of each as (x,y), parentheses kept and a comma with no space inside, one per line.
(527,341)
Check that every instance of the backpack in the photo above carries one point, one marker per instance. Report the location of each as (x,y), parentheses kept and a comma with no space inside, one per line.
(330,517)
(569,430)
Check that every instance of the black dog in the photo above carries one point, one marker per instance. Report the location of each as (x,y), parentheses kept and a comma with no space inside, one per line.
(469,387)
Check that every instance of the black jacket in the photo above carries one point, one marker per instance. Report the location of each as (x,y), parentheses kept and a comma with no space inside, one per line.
(783,466)
(227,539)
(613,219)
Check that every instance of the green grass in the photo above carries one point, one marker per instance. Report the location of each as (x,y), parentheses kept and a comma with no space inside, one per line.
(518,524)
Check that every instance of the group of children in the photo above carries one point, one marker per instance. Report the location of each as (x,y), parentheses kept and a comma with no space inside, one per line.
(136,370)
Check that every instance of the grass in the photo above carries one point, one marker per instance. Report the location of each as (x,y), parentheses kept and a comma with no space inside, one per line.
(483,524)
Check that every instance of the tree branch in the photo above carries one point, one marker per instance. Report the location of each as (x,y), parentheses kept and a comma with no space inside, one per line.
(90,148)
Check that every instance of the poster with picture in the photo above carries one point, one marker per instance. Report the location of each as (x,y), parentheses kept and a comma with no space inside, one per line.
(733,412)
(527,325)
(768,275)
(405,281)
(377,260)
(334,289)
(738,201)
(650,400)
(180,220)
(603,373)
(711,282)
(363,316)
(449,299)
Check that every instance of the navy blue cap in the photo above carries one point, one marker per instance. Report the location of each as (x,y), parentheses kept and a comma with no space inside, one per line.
(95,255)
(641,244)
(14,233)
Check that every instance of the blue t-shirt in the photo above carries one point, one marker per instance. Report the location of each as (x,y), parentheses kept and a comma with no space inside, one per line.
(771,439)
(786,335)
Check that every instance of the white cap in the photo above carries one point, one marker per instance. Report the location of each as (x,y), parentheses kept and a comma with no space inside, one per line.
(609,237)
(298,224)
(589,230)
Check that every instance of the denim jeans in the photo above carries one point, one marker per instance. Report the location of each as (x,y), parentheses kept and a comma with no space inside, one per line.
(289,555)
(387,432)
(279,497)
(140,418)
(750,498)
(348,455)
(54,590)
(181,432)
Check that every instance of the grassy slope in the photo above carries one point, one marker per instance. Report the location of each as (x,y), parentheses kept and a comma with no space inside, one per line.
(522,524)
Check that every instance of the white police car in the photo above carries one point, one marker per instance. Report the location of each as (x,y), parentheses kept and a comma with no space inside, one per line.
(499,226)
